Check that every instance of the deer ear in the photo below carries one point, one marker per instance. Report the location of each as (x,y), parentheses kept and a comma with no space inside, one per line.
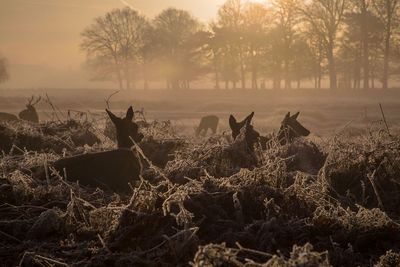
(113,118)
(129,113)
(295,116)
(232,122)
(287,116)
(250,117)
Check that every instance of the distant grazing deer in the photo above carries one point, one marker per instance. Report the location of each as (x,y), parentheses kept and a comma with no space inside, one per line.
(109,169)
(251,136)
(207,122)
(291,129)
(30,114)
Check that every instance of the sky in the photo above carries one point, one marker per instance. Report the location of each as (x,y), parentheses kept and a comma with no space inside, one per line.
(45,34)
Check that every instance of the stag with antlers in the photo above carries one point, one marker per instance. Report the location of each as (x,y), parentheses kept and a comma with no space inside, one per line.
(30,114)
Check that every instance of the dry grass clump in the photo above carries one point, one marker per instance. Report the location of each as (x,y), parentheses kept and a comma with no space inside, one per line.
(51,136)
(220,255)
(365,171)
(216,204)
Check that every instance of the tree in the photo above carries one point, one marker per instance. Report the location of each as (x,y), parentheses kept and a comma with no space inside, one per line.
(386,10)
(230,21)
(257,21)
(4,76)
(114,44)
(325,18)
(177,46)
(287,20)
(361,36)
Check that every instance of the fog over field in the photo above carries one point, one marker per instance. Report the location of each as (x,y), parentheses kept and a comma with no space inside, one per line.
(324,112)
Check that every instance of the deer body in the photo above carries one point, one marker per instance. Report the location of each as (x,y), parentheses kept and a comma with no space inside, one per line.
(29,114)
(7,117)
(207,122)
(109,169)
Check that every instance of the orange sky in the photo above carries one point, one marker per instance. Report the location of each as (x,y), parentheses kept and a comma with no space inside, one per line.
(46,32)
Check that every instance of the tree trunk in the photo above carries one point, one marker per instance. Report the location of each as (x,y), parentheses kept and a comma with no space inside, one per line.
(216,79)
(386,55)
(365,45)
(288,82)
(119,77)
(254,83)
(331,66)
(242,71)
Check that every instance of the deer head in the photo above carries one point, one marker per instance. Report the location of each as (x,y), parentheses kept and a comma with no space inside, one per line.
(30,114)
(126,129)
(244,129)
(237,126)
(291,129)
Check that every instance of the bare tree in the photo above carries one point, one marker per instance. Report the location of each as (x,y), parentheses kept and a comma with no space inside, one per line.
(386,10)
(116,40)
(230,19)
(4,76)
(287,20)
(176,43)
(257,23)
(325,18)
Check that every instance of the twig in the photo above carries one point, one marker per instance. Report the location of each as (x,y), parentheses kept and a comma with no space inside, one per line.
(253,251)
(151,165)
(384,119)
(109,97)
(51,260)
(371,178)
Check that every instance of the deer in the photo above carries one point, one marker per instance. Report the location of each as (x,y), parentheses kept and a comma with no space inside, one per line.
(251,135)
(30,114)
(206,123)
(291,129)
(7,117)
(112,169)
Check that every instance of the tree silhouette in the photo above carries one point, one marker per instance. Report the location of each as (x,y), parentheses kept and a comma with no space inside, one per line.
(114,43)
(326,18)
(177,46)
(386,10)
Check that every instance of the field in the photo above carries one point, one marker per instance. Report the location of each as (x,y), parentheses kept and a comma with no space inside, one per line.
(330,199)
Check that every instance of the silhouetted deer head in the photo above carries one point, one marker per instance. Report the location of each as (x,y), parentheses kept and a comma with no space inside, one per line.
(291,129)
(126,129)
(244,128)
(30,114)
(237,126)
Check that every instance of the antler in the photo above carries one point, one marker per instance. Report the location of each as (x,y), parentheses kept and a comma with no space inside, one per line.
(37,101)
(30,100)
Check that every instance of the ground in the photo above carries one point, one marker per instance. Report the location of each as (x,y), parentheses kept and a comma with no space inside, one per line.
(330,199)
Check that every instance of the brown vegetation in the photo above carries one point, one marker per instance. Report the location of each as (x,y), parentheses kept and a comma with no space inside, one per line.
(283,206)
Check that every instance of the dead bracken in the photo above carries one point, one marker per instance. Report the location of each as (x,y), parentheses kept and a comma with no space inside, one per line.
(216,204)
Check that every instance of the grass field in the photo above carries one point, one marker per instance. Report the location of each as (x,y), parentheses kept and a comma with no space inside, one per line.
(323,112)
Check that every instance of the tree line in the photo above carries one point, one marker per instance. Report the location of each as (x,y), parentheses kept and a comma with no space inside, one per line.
(352,44)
